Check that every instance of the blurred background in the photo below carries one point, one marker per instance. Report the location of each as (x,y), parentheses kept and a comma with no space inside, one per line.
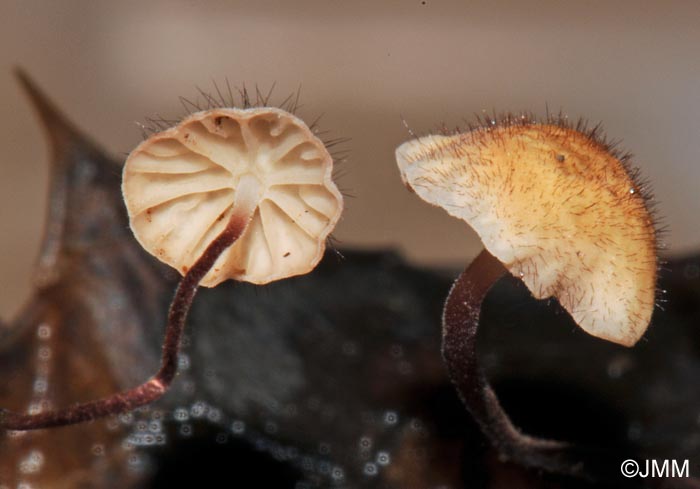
(364,65)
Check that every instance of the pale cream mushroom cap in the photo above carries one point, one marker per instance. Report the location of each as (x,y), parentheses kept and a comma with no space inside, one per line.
(556,208)
(179,187)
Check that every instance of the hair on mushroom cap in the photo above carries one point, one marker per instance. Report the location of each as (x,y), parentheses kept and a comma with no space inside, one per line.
(180,185)
(558,205)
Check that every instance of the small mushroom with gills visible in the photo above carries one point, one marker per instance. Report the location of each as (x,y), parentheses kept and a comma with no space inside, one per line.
(556,207)
(242,194)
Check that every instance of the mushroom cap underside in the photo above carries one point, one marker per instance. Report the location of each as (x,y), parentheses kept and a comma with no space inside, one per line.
(179,187)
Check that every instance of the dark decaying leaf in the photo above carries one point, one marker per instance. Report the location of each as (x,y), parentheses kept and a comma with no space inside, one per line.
(329,380)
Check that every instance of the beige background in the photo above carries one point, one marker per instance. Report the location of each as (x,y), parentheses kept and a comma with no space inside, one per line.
(633,65)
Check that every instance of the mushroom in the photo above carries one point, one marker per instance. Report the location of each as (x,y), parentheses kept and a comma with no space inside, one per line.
(228,193)
(557,207)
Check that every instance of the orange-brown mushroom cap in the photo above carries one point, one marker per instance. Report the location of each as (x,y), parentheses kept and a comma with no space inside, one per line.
(557,208)
(180,185)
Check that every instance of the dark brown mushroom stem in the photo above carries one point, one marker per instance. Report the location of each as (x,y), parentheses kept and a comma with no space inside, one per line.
(459,334)
(157,385)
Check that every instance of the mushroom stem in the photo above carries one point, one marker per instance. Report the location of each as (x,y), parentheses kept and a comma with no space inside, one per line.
(243,210)
(460,322)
